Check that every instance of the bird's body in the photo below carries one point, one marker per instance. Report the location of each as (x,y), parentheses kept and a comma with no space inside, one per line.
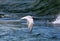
(29,22)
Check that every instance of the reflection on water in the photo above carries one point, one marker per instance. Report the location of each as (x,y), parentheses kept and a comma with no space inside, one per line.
(19,32)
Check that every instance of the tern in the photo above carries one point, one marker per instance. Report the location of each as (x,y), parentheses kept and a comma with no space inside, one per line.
(29,22)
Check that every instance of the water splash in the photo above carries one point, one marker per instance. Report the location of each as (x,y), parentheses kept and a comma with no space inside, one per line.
(57,21)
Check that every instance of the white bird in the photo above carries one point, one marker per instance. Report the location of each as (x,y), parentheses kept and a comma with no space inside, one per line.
(29,22)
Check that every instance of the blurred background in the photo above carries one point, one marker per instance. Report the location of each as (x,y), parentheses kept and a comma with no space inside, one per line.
(43,11)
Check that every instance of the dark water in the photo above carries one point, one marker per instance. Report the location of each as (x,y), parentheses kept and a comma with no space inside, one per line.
(18,31)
